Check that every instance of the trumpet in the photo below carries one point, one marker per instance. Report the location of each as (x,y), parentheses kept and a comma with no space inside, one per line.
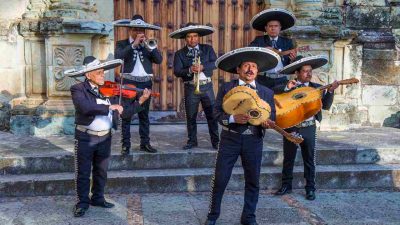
(196,77)
(150,43)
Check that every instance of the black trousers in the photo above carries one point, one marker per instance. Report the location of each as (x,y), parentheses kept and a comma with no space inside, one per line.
(144,122)
(271,82)
(249,148)
(192,101)
(307,152)
(91,156)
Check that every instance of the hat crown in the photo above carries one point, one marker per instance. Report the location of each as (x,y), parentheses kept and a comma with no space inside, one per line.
(88,59)
(137,17)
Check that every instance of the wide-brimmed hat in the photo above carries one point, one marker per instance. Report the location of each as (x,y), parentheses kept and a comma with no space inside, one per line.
(202,30)
(265,59)
(136,22)
(90,63)
(314,61)
(286,18)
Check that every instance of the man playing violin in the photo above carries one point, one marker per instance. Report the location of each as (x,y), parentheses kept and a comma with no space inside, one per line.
(272,22)
(238,136)
(95,116)
(138,62)
(302,68)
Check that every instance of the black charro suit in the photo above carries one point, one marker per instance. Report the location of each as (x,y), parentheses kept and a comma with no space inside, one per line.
(283,44)
(182,62)
(233,143)
(125,52)
(307,146)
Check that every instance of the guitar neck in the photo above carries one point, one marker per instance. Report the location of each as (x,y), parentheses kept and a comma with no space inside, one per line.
(280,130)
(341,82)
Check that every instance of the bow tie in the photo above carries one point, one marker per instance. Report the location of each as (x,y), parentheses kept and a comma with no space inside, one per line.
(193,52)
(250,86)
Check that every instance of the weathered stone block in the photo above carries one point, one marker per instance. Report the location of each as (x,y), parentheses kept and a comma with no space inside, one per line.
(367,2)
(21,124)
(380,54)
(53,126)
(380,72)
(395,17)
(360,17)
(379,95)
(379,115)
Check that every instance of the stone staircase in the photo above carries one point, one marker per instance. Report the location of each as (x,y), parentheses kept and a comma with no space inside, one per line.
(179,171)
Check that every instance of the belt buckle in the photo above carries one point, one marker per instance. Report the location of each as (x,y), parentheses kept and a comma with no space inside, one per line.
(247,132)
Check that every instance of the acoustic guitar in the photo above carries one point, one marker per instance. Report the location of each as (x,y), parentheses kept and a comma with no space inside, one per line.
(244,100)
(295,106)
(287,52)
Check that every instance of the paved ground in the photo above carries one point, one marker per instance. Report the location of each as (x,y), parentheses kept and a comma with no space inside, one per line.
(373,207)
(173,137)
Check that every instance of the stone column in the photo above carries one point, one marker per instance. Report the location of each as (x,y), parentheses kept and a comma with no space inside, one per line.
(277,4)
(58,35)
(308,8)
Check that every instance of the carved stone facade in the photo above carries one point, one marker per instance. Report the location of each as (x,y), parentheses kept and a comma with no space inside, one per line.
(41,38)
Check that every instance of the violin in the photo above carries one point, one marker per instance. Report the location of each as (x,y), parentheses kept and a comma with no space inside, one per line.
(110,88)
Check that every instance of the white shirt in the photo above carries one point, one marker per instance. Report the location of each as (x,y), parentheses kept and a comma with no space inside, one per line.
(138,69)
(241,83)
(279,66)
(202,76)
(101,123)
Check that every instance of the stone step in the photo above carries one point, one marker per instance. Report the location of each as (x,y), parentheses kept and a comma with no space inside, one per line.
(198,158)
(199,179)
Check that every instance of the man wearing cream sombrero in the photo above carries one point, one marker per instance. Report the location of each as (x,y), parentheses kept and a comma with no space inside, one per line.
(138,58)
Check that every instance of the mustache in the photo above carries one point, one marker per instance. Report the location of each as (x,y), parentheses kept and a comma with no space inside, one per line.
(249,72)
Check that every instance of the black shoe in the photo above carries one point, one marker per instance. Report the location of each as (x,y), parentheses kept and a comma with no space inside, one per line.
(148,148)
(104,204)
(125,150)
(79,212)
(310,195)
(284,190)
(210,222)
(252,223)
(189,146)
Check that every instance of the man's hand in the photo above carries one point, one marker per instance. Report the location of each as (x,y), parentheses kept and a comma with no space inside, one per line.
(138,39)
(267,124)
(145,96)
(241,118)
(196,68)
(116,107)
(291,84)
(292,54)
(335,85)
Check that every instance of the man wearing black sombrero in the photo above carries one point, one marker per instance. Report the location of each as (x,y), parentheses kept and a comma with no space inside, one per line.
(302,68)
(94,117)
(138,56)
(272,22)
(185,67)
(238,137)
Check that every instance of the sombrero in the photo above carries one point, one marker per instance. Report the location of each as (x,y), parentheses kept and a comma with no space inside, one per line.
(202,30)
(286,18)
(90,64)
(265,59)
(136,22)
(314,61)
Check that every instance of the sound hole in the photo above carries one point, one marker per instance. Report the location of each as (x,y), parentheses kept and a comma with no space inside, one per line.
(254,113)
(299,96)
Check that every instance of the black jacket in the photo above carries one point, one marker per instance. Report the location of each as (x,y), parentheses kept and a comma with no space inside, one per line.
(124,51)
(223,118)
(182,62)
(283,44)
(327,98)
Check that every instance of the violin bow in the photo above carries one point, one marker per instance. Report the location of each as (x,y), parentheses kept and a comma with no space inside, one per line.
(121,76)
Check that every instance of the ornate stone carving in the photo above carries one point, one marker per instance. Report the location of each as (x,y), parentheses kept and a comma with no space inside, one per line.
(66,57)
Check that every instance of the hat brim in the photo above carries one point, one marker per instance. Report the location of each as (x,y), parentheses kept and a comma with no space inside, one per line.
(314,61)
(265,59)
(128,23)
(286,18)
(200,29)
(106,66)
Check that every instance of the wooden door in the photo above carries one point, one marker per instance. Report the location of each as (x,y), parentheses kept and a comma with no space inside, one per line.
(230,19)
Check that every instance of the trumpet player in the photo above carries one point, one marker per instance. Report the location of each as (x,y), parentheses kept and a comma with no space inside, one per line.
(139,54)
(194,64)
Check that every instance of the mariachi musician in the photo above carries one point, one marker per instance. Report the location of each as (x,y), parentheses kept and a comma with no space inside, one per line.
(194,64)
(302,68)
(139,54)
(272,22)
(95,116)
(238,137)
